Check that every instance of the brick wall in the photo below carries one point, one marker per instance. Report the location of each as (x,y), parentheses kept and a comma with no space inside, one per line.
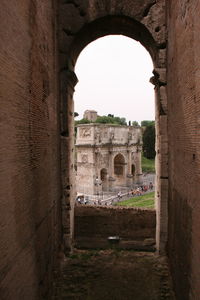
(184,142)
(29,160)
(135,227)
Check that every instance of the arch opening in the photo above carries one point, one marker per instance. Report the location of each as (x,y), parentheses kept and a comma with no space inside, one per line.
(138,31)
(119,165)
(115,70)
(130,149)
(113,25)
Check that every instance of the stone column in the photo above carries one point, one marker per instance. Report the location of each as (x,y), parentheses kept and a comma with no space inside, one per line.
(111,178)
(96,171)
(68,81)
(129,180)
(138,166)
(161,198)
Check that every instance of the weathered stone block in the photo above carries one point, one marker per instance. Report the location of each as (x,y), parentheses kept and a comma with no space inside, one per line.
(163,122)
(163,99)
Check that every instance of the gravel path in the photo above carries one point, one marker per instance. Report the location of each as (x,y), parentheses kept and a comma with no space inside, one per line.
(113,275)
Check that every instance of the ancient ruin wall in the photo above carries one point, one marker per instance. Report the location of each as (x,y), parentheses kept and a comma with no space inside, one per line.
(29,159)
(135,227)
(184,146)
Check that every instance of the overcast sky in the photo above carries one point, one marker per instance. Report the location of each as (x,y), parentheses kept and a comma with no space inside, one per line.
(113,74)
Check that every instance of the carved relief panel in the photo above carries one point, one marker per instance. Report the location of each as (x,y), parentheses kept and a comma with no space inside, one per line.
(84,158)
(85,132)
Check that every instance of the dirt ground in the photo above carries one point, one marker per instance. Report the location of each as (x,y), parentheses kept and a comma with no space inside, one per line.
(113,275)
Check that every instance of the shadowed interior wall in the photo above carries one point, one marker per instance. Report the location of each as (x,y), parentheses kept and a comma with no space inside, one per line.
(29,155)
(184,146)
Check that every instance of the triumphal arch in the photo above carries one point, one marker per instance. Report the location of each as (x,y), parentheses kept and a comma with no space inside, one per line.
(108,157)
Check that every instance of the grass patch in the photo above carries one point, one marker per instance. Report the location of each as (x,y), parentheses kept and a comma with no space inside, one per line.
(146,201)
(148,165)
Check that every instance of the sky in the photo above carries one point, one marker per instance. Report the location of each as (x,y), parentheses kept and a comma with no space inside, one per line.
(113,74)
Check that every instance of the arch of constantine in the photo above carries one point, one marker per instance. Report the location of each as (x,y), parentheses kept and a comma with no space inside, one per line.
(108,156)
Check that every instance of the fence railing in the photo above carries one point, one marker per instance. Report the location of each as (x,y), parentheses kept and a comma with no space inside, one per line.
(101,200)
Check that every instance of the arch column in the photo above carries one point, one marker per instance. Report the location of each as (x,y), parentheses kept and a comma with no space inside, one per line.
(138,166)
(161,197)
(111,178)
(68,80)
(129,175)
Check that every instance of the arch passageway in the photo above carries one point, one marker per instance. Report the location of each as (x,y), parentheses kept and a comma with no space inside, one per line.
(142,25)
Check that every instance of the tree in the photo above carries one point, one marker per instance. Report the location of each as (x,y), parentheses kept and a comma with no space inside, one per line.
(135,123)
(149,142)
(76,114)
(123,121)
(110,119)
(82,121)
(105,120)
(146,123)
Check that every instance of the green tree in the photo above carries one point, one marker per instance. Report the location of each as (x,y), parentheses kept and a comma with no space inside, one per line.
(149,142)
(82,121)
(76,114)
(110,119)
(105,120)
(135,123)
(123,121)
(146,123)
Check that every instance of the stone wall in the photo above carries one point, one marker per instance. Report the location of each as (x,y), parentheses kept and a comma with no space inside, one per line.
(135,227)
(29,156)
(184,146)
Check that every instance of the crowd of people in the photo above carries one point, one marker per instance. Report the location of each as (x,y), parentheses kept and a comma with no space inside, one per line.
(141,189)
(138,191)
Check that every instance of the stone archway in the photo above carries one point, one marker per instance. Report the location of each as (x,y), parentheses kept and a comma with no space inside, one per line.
(119,169)
(80,24)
